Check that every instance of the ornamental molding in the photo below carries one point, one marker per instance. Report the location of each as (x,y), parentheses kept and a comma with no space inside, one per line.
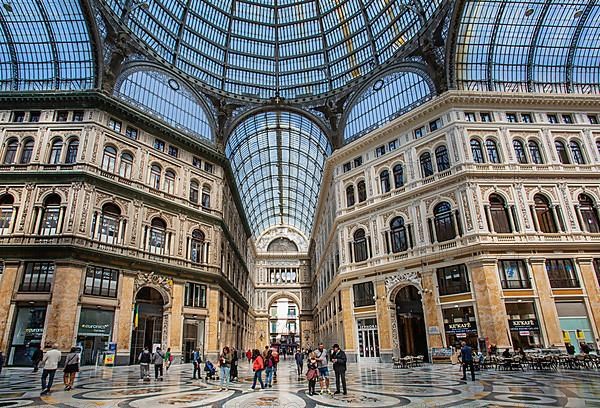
(152,279)
(403,278)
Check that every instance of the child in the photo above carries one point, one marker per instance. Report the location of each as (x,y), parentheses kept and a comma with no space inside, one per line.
(312,374)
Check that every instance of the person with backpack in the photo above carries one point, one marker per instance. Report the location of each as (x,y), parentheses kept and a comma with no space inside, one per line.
(258,366)
(71,368)
(144,359)
(158,358)
(269,367)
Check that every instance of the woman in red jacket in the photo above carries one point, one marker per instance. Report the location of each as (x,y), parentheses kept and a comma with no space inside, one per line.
(257,366)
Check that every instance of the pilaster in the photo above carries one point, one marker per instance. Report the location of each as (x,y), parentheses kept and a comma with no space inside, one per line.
(212,325)
(384,325)
(176,327)
(547,305)
(348,320)
(588,276)
(8,282)
(124,318)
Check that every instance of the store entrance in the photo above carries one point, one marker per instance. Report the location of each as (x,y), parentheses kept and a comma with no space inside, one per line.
(147,322)
(368,340)
(411,323)
(193,339)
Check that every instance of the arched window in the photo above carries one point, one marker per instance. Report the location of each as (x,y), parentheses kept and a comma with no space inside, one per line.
(109,159)
(544,215)
(360,246)
(125,165)
(155,174)
(49,224)
(170,181)
(27,152)
(197,247)
(576,152)
(444,222)
(384,178)
(206,196)
(158,236)
(194,192)
(598,146)
(109,223)
(10,155)
(492,151)
(350,200)
(519,152)
(56,151)
(398,235)
(426,165)
(6,213)
(362,191)
(535,152)
(499,214)
(442,159)
(477,151)
(563,156)
(72,148)
(398,176)
(589,214)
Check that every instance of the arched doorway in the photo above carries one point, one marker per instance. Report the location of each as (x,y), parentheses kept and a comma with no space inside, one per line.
(284,325)
(411,322)
(147,321)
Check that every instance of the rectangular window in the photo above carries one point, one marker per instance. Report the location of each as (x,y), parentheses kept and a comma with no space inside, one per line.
(561,273)
(196,162)
(35,116)
(37,277)
(485,117)
(470,117)
(101,281)
(364,294)
(380,151)
(552,118)
(347,167)
(273,326)
(526,118)
(568,119)
(78,116)
(131,133)
(159,145)
(195,295)
(513,274)
(173,151)
(419,133)
(115,125)
(453,279)
(18,117)
(512,117)
(208,167)
(358,161)
(597,269)
(593,119)
(435,125)
(393,145)
(62,116)
(273,312)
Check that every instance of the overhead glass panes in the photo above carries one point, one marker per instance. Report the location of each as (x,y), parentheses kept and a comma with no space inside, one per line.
(264,48)
(44,45)
(278,159)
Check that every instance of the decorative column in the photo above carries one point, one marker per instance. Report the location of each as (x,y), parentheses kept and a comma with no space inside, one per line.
(488,215)
(536,223)
(38,219)
(511,219)
(555,217)
(548,312)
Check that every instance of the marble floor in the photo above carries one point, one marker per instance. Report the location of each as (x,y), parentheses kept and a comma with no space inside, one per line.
(369,385)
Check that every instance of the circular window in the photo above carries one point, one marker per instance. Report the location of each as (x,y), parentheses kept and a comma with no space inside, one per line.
(174,84)
(378,85)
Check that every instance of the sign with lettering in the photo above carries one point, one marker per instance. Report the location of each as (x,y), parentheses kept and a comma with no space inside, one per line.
(95,322)
(441,352)
(523,325)
(462,327)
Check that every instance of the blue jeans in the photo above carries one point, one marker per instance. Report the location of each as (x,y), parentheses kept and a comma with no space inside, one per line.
(50,375)
(225,375)
(269,376)
(258,376)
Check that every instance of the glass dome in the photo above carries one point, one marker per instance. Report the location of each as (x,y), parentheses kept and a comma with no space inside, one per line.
(268,48)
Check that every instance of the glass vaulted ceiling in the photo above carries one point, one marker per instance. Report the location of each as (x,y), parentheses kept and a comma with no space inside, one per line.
(278,159)
(265,48)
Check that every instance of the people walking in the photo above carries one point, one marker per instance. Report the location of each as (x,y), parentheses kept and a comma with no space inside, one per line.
(269,368)
(339,367)
(196,361)
(299,357)
(71,368)
(158,358)
(249,356)
(49,366)
(258,366)
(275,355)
(313,373)
(322,364)
(466,358)
(36,359)
(144,359)
(225,368)
(168,359)
(234,364)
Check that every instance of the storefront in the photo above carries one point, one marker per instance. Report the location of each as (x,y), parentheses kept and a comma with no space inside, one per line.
(574,323)
(368,339)
(193,338)
(27,335)
(523,325)
(460,325)
(94,333)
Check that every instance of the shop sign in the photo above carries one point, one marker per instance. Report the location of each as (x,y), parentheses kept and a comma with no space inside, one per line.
(461,335)
(566,336)
(433,330)
(523,325)
(463,327)
(95,322)
(580,334)
(109,359)
(524,333)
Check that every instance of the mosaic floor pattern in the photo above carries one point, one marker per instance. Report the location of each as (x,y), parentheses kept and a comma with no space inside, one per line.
(369,385)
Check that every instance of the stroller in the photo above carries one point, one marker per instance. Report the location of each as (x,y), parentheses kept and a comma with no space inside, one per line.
(210,370)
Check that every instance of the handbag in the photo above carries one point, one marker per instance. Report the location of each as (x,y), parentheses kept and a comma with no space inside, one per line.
(311,374)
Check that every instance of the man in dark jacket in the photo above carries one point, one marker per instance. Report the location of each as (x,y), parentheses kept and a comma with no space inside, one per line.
(339,366)
(299,357)
(466,358)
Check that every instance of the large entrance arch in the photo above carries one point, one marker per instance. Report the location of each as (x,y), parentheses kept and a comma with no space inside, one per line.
(284,324)
(147,321)
(412,333)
